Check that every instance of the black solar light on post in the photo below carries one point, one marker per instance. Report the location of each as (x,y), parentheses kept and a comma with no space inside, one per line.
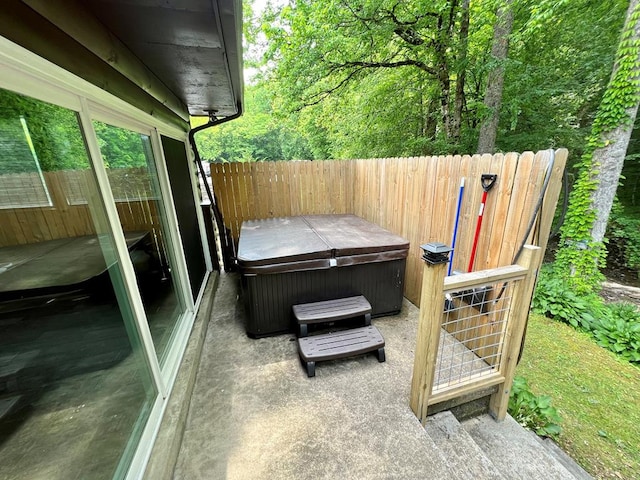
(436,256)
(436,253)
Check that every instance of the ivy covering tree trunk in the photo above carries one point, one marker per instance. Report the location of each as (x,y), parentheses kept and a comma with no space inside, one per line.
(582,250)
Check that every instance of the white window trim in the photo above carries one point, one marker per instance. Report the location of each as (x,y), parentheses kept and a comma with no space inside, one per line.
(122,254)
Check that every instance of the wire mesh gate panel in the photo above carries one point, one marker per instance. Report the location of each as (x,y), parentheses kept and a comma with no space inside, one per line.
(473,327)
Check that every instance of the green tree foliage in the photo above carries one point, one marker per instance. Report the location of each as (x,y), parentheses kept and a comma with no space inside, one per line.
(54,131)
(321,49)
(629,194)
(254,136)
(120,148)
(371,78)
(560,59)
(369,127)
(57,139)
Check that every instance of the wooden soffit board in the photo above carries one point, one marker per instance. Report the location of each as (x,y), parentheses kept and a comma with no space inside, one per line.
(170,58)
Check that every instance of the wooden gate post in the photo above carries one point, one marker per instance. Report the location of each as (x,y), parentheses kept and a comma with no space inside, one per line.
(518,314)
(436,256)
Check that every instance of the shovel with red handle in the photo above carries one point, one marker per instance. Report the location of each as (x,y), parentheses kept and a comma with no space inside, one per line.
(488,180)
(478,297)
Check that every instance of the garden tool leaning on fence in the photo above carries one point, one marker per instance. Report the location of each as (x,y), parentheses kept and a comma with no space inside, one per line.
(479,297)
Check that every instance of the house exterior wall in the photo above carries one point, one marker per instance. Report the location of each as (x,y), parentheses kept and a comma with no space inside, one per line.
(111,345)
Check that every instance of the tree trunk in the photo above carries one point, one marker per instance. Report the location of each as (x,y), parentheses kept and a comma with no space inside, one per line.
(495,81)
(440,47)
(609,159)
(445,94)
(456,117)
(431,119)
(582,250)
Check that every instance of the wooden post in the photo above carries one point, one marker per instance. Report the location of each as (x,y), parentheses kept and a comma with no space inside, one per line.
(429,324)
(518,314)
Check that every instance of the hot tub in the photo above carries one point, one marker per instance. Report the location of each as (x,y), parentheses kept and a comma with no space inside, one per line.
(292,260)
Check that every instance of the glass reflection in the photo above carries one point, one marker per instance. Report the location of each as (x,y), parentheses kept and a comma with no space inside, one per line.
(75,389)
(130,165)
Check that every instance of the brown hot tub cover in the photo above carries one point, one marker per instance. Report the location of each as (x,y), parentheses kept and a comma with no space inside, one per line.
(310,242)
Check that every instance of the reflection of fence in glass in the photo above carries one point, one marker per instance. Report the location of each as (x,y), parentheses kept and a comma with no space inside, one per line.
(23,190)
(73,192)
(32,189)
(127,184)
(21,182)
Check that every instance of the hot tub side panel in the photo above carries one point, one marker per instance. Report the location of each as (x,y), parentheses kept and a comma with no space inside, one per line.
(269,297)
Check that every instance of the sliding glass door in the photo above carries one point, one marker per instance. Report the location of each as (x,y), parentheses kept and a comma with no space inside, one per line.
(131,169)
(76,386)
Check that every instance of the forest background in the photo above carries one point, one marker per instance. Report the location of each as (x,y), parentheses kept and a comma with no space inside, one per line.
(342,79)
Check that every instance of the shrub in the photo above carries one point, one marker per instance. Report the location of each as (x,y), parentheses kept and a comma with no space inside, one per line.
(615,326)
(619,331)
(534,412)
(553,298)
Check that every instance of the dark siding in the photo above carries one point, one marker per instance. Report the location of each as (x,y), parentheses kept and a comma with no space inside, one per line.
(269,297)
(177,166)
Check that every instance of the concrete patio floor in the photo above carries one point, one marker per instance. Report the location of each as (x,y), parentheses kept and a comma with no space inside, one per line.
(255,414)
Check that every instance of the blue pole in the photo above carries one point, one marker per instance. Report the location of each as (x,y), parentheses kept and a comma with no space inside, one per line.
(455,225)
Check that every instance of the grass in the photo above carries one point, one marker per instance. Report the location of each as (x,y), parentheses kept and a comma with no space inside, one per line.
(596,394)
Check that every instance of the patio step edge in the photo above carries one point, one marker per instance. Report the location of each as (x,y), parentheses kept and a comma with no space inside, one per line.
(465,459)
(164,455)
(514,451)
(568,462)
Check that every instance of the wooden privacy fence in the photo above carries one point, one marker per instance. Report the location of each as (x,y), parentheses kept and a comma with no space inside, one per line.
(412,197)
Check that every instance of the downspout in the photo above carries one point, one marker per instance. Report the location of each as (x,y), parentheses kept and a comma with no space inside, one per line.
(227,249)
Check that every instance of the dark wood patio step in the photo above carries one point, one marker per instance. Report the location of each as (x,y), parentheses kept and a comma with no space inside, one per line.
(331,311)
(342,344)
